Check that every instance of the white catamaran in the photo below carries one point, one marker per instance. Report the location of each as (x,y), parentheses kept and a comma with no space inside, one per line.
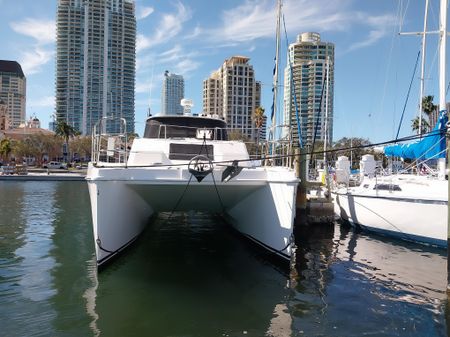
(187,163)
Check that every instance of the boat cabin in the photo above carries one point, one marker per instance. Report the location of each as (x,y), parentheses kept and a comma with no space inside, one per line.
(185,127)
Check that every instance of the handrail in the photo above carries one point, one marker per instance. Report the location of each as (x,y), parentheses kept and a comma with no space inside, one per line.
(109,145)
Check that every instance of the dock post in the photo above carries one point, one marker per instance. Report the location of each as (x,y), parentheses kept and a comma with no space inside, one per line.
(300,171)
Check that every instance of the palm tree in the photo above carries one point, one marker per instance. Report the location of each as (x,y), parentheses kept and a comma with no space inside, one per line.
(415,125)
(258,118)
(5,148)
(66,131)
(428,107)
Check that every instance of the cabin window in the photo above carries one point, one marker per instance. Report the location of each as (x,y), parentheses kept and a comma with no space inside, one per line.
(189,151)
(387,187)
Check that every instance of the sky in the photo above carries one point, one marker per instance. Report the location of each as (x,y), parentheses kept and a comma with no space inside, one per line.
(373,63)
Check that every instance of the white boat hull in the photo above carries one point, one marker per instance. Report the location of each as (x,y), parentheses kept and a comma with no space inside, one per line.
(259,202)
(408,217)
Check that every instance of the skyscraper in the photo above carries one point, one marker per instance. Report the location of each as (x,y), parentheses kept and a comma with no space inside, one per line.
(95,63)
(172,94)
(13,87)
(232,93)
(310,58)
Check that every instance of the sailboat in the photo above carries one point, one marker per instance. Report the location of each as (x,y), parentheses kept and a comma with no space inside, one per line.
(408,206)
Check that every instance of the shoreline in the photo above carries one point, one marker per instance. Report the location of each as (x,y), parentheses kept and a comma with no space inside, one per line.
(45,176)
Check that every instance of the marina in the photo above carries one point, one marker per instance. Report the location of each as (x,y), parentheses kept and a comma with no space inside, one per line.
(136,216)
(191,275)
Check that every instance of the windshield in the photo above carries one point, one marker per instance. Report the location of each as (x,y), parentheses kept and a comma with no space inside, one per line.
(185,127)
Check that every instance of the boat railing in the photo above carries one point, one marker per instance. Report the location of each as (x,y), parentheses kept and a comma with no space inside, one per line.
(278,149)
(110,141)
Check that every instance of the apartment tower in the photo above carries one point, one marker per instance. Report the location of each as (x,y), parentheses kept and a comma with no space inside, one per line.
(95,62)
(172,94)
(232,93)
(308,61)
(13,86)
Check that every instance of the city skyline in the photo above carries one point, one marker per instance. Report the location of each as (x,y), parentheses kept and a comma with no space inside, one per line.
(373,64)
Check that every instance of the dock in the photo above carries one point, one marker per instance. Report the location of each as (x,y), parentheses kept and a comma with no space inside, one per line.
(21,174)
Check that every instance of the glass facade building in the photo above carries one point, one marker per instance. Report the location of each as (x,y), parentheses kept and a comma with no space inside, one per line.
(13,86)
(309,58)
(172,94)
(95,63)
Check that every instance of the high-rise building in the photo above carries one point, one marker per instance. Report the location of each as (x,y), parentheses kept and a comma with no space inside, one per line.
(172,94)
(309,58)
(13,86)
(95,63)
(232,93)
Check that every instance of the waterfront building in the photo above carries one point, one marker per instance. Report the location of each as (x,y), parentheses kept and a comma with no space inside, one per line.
(308,57)
(4,118)
(13,92)
(232,93)
(52,125)
(95,62)
(27,128)
(263,130)
(172,94)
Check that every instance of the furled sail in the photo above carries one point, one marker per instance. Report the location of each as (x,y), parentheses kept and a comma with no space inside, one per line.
(430,146)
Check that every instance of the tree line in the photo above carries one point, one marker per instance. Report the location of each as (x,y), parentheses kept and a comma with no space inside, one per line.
(40,146)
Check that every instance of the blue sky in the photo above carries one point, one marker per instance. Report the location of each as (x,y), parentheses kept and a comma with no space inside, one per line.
(373,64)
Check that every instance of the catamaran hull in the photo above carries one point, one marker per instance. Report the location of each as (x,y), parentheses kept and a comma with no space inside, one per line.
(423,221)
(260,204)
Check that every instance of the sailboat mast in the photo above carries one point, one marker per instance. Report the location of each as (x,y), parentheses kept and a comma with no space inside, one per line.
(326,140)
(442,54)
(275,75)
(422,67)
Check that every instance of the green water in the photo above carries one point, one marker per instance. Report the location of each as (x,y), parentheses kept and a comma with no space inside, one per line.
(191,276)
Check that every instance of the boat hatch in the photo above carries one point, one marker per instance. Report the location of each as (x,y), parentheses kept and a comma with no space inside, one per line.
(189,151)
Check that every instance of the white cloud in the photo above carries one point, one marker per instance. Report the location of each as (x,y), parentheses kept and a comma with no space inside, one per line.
(142,42)
(254,19)
(33,60)
(43,31)
(186,66)
(169,26)
(40,53)
(381,26)
(143,12)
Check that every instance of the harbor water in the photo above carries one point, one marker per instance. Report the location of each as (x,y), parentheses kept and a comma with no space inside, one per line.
(190,275)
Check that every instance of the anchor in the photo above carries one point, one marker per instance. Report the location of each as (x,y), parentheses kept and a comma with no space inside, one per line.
(231,171)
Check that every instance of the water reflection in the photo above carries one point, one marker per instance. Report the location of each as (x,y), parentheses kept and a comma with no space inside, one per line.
(191,276)
(27,233)
(73,252)
(90,296)
(376,286)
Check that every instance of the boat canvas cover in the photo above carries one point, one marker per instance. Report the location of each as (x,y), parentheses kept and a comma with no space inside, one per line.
(431,146)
